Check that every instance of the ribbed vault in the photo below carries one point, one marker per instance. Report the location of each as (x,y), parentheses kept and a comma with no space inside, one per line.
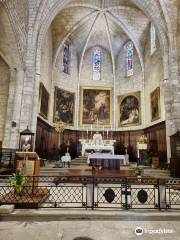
(108,24)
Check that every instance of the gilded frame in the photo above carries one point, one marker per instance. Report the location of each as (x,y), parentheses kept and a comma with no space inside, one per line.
(134,114)
(96,90)
(55,105)
(155,104)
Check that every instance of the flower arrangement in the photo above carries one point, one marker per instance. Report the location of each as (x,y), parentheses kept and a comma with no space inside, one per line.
(18,181)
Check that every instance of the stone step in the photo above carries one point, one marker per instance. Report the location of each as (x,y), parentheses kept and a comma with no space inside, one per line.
(81,160)
(79,163)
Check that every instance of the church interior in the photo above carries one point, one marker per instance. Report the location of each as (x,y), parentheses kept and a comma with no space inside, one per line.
(89,105)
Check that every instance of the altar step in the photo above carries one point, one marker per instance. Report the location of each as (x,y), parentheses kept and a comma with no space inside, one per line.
(81,160)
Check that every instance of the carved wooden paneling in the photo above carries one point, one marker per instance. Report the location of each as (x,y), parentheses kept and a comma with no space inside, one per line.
(47,139)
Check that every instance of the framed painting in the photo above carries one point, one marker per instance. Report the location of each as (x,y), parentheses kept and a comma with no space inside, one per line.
(155,104)
(64,102)
(96,106)
(44,101)
(129,109)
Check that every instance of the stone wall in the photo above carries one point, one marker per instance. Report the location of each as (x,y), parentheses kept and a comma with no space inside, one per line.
(153,79)
(4,93)
(46,71)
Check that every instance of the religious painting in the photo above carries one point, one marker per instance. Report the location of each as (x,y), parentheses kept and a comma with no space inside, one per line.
(129,109)
(64,102)
(66,58)
(96,106)
(155,104)
(44,101)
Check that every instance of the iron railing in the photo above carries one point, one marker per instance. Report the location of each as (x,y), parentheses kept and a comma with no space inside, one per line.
(92,192)
(7,160)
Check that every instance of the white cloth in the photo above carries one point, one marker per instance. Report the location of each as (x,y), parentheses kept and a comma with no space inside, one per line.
(97,148)
(124,159)
(66,158)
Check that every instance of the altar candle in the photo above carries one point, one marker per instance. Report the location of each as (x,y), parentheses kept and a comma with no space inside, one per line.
(91,128)
(107,131)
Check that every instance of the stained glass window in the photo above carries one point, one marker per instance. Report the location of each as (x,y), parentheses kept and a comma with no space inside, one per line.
(153,39)
(66,58)
(97,65)
(129,59)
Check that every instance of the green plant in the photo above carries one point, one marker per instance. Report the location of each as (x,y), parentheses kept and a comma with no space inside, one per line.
(18,181)
(138,171)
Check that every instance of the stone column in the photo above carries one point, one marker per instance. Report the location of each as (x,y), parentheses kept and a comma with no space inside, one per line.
(172,107)
(168,98)
(12,131)
(10,106)
(15,131)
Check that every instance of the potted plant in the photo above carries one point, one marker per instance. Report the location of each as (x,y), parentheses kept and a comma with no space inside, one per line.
(138,171)
(18,181)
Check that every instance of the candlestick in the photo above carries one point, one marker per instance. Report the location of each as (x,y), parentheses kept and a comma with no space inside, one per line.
(87,133)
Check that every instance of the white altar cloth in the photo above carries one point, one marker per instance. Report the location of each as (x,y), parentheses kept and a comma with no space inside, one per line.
(124,159)
(66,158)
(97,148)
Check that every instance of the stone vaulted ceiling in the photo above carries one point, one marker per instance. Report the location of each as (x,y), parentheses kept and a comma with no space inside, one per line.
(106,23)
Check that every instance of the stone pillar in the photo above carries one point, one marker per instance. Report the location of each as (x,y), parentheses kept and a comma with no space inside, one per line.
(12,132)
(27,100)
(14,141)
(168,98)
(35,107)
(10,106)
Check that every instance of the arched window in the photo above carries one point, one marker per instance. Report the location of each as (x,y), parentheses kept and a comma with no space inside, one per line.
(96,65)
(66,58)
(129,58)
(153,39)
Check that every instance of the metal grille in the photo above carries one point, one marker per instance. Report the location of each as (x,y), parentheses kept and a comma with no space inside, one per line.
(44,192)
(172,193)
(92,192)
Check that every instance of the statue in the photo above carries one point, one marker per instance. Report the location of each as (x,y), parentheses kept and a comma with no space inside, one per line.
(26,146)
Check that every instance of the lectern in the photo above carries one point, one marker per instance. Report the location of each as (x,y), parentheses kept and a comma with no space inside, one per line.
(28,164)
(175,154)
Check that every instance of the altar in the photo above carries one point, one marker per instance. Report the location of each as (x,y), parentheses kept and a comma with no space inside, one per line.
(107,161)
(97,144)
